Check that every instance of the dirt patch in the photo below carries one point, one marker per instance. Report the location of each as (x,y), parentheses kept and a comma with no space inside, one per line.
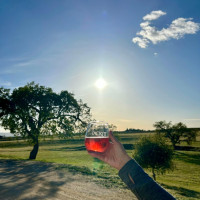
(25,180)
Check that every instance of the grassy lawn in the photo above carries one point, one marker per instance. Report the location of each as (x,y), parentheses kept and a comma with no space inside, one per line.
(183,182)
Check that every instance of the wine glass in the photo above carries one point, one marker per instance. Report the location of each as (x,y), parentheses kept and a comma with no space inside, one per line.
(97,137)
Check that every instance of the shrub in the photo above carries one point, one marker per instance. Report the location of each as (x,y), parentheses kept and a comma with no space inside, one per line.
(153,153)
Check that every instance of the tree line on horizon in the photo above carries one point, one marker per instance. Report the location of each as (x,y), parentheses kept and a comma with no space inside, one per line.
(134,130)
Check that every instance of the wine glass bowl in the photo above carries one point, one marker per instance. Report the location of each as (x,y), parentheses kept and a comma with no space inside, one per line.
(97,137)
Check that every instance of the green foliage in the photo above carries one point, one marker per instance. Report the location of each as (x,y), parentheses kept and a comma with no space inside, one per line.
(112,127)
(175,133)
(154,153)
(35,110)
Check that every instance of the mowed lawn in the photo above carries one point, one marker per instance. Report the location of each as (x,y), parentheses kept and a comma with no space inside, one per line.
(183,182)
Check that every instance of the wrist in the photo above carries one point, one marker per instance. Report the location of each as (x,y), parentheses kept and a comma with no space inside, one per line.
(123,161)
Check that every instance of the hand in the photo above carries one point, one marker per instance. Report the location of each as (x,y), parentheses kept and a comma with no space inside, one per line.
(115,155)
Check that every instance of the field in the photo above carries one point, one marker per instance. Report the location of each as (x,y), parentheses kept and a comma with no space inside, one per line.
(183,182)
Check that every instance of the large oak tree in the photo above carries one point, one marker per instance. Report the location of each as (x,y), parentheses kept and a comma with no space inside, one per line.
(35,110)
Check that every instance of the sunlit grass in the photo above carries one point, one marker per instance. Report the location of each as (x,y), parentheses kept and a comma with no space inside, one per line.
(183,182)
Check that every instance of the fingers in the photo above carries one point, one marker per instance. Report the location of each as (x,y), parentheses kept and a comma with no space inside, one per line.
(112,137)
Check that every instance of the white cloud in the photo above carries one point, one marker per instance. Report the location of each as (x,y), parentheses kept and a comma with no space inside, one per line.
(155,54)
(154,15)
(176,30)
(142,42)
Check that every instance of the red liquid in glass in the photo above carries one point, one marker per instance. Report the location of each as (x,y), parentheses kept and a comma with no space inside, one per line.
(96,144)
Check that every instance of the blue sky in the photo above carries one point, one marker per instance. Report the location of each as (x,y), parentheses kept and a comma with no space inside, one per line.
(68,45)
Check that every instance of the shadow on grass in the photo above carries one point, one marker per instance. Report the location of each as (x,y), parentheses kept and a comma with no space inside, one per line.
(62,141)
(190,158)
(82,148)
(183,191)
(14,144)
(187,148)
(78,148)
(128,139)
(74,169)
(47,142)
(128,146)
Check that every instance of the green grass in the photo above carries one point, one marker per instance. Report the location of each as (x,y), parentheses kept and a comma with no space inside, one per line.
(183,182)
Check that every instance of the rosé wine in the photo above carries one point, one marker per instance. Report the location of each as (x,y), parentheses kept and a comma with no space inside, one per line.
(97,144)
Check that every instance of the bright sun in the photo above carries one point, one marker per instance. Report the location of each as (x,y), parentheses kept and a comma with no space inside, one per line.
(100,83)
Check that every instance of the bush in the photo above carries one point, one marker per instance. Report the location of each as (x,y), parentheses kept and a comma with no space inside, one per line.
(153,153)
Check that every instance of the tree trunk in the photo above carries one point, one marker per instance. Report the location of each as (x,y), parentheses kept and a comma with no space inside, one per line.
(174,145)
(154,175)
(34,152)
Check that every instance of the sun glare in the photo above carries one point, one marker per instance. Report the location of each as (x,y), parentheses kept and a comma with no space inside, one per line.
(100,83)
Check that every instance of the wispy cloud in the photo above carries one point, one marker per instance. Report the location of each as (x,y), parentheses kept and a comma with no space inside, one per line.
(176,30)
(24,63)
(192,119)
(5,83)
(15,66)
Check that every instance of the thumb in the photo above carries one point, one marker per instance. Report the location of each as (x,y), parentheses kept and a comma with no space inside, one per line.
(112,137)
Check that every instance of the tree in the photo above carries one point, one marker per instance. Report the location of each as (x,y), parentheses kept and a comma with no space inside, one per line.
(35,110)
(175,133)
(112,127)
(154,153)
